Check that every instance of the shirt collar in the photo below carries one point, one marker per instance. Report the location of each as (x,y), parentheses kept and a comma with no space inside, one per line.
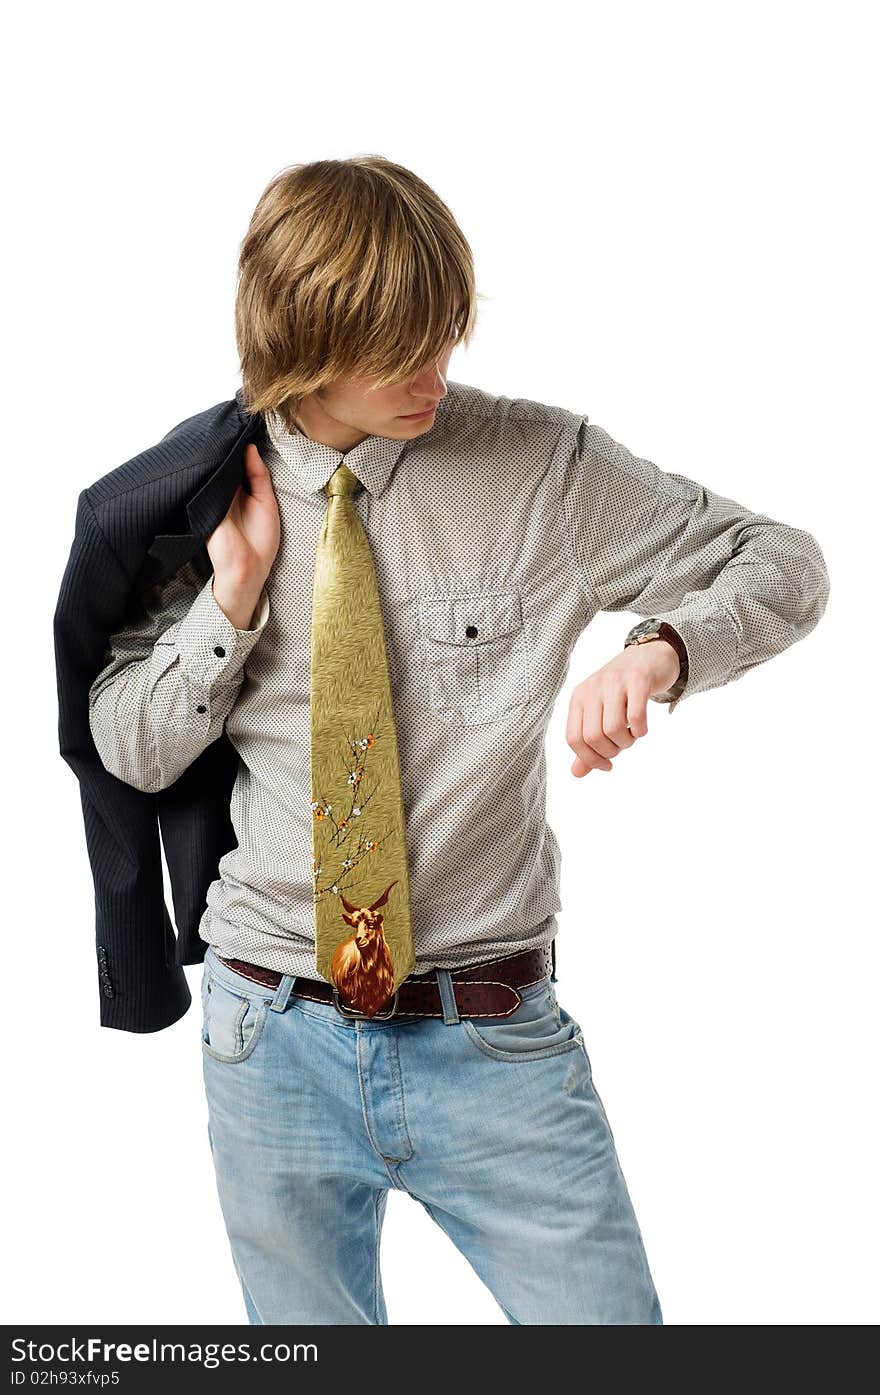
(312,462)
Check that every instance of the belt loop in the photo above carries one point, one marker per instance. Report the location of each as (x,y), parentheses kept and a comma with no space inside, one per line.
(447,996)
(553,960)
(282,993)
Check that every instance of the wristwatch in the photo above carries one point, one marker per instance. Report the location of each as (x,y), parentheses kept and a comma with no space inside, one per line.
(647,630)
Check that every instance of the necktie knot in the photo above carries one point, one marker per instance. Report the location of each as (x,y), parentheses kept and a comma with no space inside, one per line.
(343,481)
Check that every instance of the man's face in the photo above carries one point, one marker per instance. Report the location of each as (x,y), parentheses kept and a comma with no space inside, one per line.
(347,412)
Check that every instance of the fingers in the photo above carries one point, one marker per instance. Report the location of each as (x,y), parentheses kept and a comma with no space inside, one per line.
(258,477)
(599,728)
(591,746)
(637,712)
(615,726)
(253,461)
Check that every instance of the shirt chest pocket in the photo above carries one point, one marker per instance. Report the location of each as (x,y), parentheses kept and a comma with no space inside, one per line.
(476,654)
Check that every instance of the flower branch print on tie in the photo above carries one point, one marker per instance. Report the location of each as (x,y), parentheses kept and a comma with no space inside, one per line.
(361,967)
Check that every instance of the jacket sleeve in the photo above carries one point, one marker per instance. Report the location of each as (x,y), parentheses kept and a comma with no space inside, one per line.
(172,677)
(141,983)
(738,587)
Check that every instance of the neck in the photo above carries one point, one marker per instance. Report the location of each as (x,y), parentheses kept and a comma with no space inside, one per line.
(318,425)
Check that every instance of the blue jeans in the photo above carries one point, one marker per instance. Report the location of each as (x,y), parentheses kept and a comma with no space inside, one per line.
(492,1124)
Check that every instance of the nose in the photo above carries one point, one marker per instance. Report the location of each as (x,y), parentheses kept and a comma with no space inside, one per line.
(430,384)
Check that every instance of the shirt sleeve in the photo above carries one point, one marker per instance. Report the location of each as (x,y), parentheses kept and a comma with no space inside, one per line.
(739,587)
(171,679)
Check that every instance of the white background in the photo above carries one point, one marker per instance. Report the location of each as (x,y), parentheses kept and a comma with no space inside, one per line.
(670,211)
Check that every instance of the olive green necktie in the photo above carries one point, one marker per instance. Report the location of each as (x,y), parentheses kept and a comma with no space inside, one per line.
(363,920)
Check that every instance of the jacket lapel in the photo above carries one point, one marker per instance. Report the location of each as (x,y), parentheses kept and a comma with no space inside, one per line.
(205,508)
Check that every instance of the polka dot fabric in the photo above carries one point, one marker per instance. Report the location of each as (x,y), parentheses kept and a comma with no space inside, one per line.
(498,534)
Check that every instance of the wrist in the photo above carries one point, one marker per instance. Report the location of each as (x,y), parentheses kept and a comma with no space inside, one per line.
(661,637)
(668,666)
(238,601)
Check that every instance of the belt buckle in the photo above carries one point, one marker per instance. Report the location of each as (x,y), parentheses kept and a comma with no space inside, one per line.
(345,1011)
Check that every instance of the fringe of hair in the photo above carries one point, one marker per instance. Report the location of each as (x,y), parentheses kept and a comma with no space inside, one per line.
(349,268)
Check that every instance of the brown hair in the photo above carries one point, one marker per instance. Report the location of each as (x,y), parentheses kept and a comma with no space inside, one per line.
(348,267)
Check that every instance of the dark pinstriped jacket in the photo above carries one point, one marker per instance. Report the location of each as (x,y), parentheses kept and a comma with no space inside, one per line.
(134,528)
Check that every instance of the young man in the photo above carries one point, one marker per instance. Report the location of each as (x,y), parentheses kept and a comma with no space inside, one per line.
(497,528)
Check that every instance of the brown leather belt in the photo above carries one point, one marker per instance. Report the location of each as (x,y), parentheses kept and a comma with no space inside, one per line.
(481,990)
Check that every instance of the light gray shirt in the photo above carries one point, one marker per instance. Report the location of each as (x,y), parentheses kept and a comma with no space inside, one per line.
(497,535)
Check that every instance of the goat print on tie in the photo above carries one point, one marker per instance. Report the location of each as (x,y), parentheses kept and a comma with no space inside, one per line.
(363,921)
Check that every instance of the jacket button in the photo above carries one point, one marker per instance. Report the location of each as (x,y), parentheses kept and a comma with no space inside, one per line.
(220,651)
(201,707)
(471,631)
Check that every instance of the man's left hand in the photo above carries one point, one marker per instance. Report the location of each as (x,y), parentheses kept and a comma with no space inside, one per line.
(609,710)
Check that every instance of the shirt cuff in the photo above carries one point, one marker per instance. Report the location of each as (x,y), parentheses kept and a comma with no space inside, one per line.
(211,650)
(673,695)
(710,639)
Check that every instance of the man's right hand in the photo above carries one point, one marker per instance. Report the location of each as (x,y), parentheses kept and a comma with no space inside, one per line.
(244,545)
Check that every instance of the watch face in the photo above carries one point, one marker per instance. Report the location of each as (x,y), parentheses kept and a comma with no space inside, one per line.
(644,627)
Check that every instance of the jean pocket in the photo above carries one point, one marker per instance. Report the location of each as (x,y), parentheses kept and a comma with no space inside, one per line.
(538,1028)
(232,1020)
